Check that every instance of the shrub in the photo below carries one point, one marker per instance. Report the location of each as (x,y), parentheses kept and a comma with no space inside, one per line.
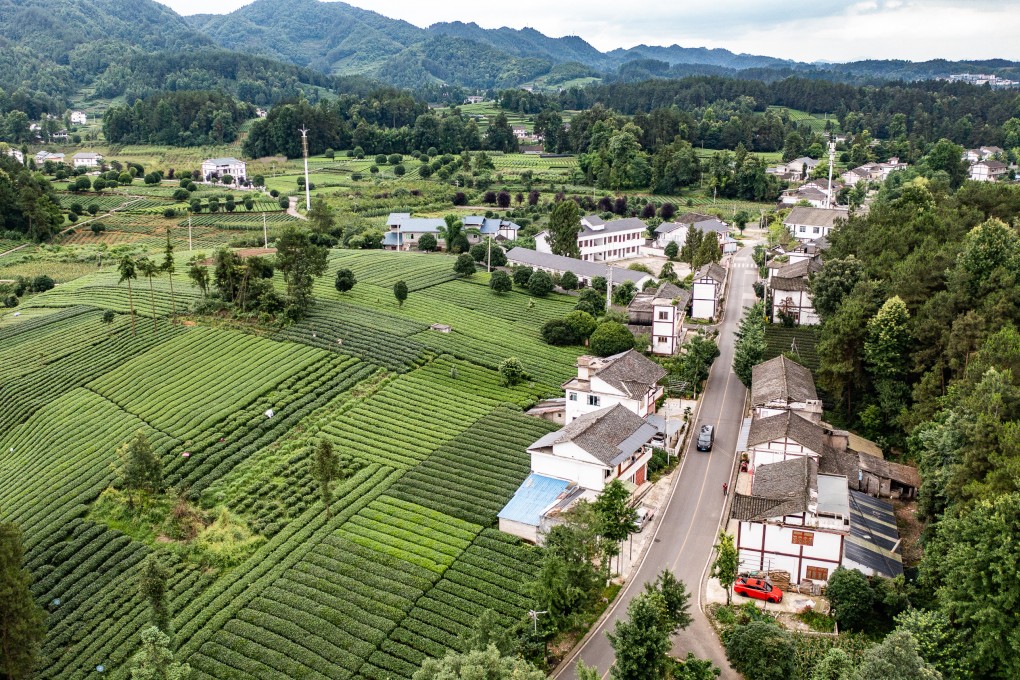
(374,169)
(582,323)
(540,284)
(357,176)
(592,302)
(427,243)
(850,598)
(511,371)
(559,332)
(380,159)
(610,338)
(761,651)
(181,194)
(672,250)
(522,275)
(169,213)
(329,153)
(465,265)
(568,281)
(500,282)
(42,283)
(395,159)
(284,202)
(399,170)
(72,218)
(459,198)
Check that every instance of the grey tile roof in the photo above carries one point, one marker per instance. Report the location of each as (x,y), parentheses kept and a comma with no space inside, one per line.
(781,379)
(815,217)
(593,219)
(583,268)
(904,474)
(713,270)
(791,425)
(631,372)
(779,489)
(222,161)
(784,284)
(669,227)
(712,224)
(688,219)
(610,434)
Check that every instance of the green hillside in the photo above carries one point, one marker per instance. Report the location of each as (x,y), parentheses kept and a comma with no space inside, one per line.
(431,447)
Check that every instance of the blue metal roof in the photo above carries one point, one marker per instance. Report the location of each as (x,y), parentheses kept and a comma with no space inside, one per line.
(532,498)
(873,540)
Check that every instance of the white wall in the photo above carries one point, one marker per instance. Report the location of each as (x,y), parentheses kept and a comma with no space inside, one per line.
(704,300)
(801,306)
(781,553)
(596,247)
(668,328)
(587,473)
(777,451)
(580,406)
(519,529)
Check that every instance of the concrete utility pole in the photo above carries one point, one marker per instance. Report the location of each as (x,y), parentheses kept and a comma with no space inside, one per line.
(609,287)
(304,147)
(832,159)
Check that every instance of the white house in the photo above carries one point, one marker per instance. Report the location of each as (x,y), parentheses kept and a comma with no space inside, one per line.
(786,435)
(520,132)
(474,99)
(662,310)
(802,166)
(499,229)
(585,271)
(530,513)
(215,168)
(261,113)
(781,385)
(87,160)
(808,224)
(596,448)
(790,292)
(79,118)
(982,153)
(987,171)
(794,519)
(670,232)
(707,291)
(16,154)
(601,241)
(405,231)
(676,231)
(44,156)
(628,379)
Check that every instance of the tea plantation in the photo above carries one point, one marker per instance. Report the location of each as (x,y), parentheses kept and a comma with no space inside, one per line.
(431,446)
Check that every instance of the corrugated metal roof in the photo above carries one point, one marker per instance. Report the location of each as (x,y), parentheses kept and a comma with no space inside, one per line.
(873,535)
(537,494)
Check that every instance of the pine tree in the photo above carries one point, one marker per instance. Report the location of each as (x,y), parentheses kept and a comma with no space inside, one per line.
(749,350)
(155,661)
(22,621)
(152,585)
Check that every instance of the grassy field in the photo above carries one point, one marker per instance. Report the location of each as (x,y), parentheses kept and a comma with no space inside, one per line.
(431,447)
(815,121)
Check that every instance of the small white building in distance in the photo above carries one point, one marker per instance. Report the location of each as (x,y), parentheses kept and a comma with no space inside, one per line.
(16,154)
(79,118)
(44,156)
(87,160)
(215,168)
(628,378)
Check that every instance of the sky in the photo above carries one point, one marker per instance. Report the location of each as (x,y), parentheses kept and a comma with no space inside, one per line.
(804,30)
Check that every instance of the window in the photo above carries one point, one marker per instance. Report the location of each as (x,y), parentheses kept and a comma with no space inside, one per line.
(608,472)
(803,230)
(816,229)
(803,538)
(817,573)
(594,400)
(572,396)
(661,339)
(663,316)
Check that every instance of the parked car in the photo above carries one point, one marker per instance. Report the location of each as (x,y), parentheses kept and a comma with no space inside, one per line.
(757,588)
(706,437)
(644,516)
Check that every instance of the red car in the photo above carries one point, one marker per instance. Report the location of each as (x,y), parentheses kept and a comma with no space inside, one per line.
(759,589)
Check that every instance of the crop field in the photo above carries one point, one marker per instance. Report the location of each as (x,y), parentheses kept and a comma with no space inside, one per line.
(799,342)
(431,445)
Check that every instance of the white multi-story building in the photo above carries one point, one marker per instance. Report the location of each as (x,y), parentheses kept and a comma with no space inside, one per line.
(601,241)
(707,291)
(215,168)
(79,118)
(87,160)
(629,379)
(662,310)
(790,292)
(808,224)
(988,171)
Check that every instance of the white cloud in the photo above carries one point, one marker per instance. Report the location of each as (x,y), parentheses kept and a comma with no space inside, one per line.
(805,30)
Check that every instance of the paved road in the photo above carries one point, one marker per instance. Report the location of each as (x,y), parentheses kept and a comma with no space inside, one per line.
(689,523)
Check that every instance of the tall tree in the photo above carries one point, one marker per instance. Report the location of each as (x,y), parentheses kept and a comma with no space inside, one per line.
(691,247)
(616,518)
(641,642)
(128,273)
(749,349)
(199,274)
(140,468)
(152,584)
(895,658)
(168,267)
(22,620)
(478,664)
(326,466)
(564,226)
(400,292)
(321,217)
(300,261)
(835,281)
(155,661)
(727,563)
(149,269)
(345,280)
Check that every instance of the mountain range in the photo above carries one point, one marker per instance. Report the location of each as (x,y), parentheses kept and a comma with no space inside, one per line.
(58,46)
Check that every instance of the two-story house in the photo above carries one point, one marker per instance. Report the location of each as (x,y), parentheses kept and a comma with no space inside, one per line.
(707,291)
(215,168)
(497,228)
(988,171)
(808,224)
(628,379)
(87,160)
(662,310)
(79,118)
(44,156)
(601,241)
(790,292)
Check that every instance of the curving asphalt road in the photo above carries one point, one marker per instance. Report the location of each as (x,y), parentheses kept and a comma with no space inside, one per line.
(689,523)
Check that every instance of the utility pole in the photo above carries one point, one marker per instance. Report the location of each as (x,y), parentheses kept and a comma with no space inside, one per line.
(304,147)
(534,619)
(488,257)
(832,159)
(609,287)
